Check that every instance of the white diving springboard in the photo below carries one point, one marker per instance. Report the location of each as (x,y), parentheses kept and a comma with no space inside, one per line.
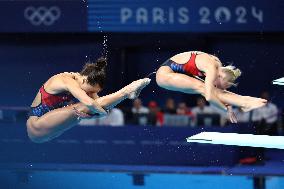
(279,81)
(251,140)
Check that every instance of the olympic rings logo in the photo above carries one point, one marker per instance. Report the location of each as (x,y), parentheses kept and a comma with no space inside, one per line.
(42,15)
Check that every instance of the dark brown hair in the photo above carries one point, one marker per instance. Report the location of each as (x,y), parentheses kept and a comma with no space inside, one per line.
(95,72)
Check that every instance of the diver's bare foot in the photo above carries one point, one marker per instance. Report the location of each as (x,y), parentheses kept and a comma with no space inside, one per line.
(253,103)
(133,90)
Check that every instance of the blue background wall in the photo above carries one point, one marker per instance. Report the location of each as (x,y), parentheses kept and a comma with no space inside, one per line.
(28,60)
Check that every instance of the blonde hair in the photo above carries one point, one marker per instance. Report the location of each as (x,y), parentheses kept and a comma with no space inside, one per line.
(233,73)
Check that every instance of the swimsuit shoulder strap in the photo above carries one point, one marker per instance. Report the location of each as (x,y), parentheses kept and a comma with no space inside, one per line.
(42,91)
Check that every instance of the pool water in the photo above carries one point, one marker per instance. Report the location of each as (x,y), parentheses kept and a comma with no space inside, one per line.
(109,180)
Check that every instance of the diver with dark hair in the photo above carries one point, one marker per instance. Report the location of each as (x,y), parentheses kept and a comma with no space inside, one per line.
(66,98)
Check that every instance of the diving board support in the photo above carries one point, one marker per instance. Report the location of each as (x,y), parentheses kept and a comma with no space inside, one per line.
(251,140)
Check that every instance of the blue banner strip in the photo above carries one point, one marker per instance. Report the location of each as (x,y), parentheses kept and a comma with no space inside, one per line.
(142,16)
(185,16)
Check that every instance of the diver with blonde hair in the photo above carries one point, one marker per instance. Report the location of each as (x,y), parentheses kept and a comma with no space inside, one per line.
(184,72)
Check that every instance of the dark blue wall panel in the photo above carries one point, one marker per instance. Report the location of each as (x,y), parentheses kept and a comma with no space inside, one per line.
(129,145)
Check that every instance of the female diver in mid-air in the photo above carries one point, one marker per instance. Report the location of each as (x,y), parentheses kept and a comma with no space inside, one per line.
(55,110)
(182,73)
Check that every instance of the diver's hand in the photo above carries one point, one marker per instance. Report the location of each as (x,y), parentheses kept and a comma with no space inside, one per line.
(231,115)
(95,108)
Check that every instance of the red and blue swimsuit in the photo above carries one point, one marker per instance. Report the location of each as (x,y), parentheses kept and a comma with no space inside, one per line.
(50,102)
(188,68)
